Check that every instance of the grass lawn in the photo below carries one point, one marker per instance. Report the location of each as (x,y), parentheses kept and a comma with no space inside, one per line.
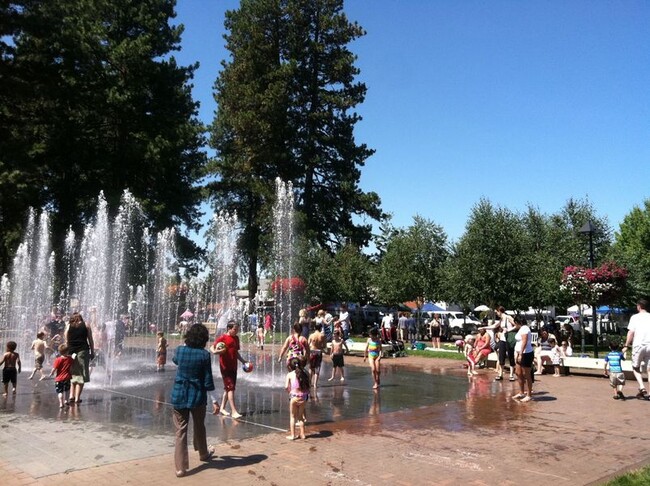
(435,354)
(639,477)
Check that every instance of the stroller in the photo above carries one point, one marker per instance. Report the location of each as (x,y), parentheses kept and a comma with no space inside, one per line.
(389,336)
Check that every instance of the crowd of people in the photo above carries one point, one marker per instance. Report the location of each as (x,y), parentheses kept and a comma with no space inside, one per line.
(522,352)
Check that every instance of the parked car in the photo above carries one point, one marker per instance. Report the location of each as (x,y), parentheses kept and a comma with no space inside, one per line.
(460,324)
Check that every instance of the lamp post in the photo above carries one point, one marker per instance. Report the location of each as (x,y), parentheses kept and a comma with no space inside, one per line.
(590,229)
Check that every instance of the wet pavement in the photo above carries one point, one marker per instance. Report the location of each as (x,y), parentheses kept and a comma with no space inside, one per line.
(429,424)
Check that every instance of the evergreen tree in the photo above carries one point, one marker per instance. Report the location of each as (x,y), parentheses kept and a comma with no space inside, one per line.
(323,96)
(284,110)
(100,104)
(249,132)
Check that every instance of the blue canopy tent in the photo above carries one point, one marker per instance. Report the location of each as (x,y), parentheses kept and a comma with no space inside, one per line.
(605,309)
(431,307)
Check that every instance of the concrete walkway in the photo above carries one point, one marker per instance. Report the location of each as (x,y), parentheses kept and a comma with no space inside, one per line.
(571,433)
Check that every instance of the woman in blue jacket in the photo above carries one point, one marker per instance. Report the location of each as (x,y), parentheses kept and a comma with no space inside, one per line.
(189,395)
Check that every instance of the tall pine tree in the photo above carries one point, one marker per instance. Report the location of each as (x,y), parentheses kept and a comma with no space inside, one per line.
(285,109)
(98,103)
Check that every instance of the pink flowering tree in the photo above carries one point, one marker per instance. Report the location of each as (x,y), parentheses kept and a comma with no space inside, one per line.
(602,285)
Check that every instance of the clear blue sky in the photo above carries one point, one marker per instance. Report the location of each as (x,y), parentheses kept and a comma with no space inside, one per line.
(520,102)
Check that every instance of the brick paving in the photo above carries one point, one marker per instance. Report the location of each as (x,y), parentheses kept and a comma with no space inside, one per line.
(571,433)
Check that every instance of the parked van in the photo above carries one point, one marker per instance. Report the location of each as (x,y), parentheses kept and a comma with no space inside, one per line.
(459,324)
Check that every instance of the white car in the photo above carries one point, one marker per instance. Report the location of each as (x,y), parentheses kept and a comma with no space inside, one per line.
(460,324)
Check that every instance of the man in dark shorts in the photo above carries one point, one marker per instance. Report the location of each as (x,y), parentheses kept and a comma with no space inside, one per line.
(228,356)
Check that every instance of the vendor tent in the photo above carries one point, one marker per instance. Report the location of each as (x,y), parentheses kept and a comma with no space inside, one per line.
(431,307)
(605,309)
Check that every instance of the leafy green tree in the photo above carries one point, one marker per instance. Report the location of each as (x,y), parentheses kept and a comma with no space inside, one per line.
(490,263)
(98,103)
(285,101)
(631,248)
(566,246)
(409,267)
(344,276)
(352,272)
(545,266)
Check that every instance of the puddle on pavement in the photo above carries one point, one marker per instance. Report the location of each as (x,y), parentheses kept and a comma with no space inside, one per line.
(141,400)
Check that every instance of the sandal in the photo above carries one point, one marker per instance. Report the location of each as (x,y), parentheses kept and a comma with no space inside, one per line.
(642,394)
(526,398)
(498,378)
(518,396)
(512,378)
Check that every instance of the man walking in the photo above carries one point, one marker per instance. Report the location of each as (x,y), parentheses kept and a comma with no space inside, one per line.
(638,337)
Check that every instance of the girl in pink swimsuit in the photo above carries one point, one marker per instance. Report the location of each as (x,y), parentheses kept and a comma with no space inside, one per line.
(297,384)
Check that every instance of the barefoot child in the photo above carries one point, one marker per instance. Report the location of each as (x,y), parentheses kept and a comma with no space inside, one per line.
(11,360)
(161,351)
(556,356)
(260,333)
(468,351)
(38,346)
(297,385)
(614,370)
(373,355)
(227,348)
(337,355)
(62,366)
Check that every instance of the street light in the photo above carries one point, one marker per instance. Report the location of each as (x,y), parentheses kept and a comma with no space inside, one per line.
(590,229)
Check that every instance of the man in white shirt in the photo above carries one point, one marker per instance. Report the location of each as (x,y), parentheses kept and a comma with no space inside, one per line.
(386,325)
(638,336)
(344,320)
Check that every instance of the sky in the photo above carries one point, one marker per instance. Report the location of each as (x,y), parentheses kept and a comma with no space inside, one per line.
(522,103)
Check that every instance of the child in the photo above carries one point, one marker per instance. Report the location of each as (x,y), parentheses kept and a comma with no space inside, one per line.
(55,342)
(468,351)
(260,335)
(228,356)
(373,354)
(161,351)
(556,356)
(38,346)
(566,349)
(614,370)
(337,355)
(460,345)
(63,367)
(297,385)
(12,363)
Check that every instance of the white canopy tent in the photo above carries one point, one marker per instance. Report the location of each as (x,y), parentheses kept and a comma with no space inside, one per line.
(586,310)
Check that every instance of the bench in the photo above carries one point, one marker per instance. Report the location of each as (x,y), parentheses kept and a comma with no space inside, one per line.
(594,364)
(591,363)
